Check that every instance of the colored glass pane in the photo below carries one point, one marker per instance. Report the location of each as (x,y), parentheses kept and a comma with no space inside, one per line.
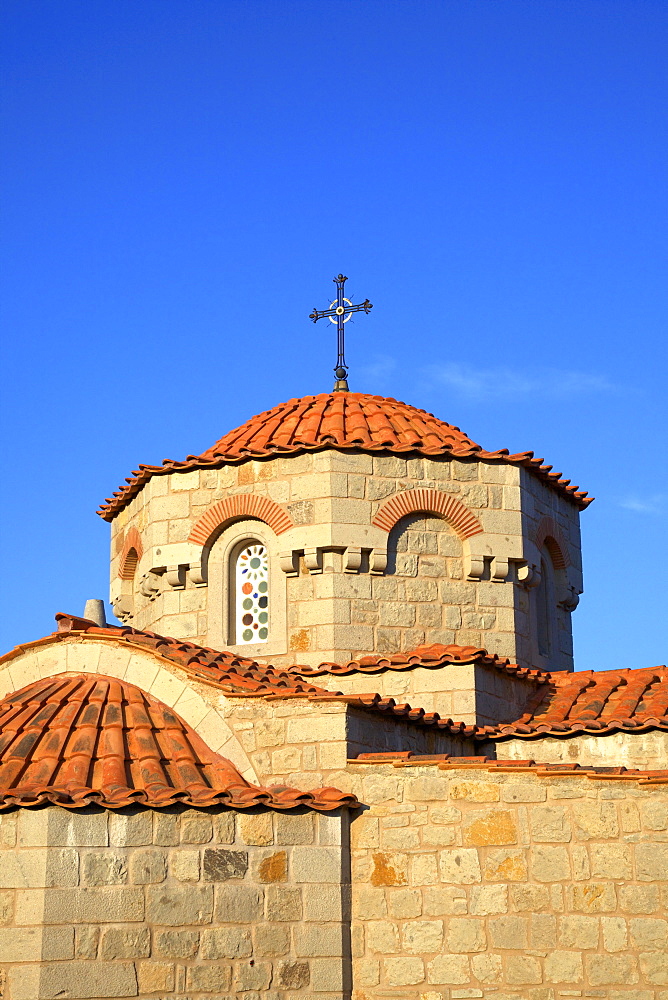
(251,582)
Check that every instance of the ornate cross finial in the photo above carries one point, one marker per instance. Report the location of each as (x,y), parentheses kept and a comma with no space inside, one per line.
(339,312)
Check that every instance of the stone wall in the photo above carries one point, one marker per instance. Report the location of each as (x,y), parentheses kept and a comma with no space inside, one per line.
(423,598)
(341,604)
(177,903)
(468,692)
(307,745)
(509,886)
(633,750)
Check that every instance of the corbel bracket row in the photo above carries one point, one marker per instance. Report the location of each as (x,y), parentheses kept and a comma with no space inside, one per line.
(314,559)
(498,572)
(175,576)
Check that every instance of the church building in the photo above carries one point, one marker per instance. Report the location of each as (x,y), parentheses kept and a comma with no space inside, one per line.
(336,746)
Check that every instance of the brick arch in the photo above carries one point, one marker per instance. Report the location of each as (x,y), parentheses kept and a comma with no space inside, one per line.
(446,506)
(131,553)
(243,505)
(549,536)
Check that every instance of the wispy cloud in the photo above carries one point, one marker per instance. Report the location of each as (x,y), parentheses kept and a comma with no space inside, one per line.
(381,368)
(655,504)
(551,383)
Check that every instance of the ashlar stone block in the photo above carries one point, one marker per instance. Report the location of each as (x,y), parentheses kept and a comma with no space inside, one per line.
(176,944)
(176,906)
(148,866)
(226,942)
(444,901)
(448,969)
(250,976)
(155,976)
(403,903)
(487,968)
(283,903)
(651,861)
(490,827)
(316,864)
(319,940)
(20,944)
(81,980)
(125,942)
(256,829)
(208,978)
(612,970)
(293,975)
(460,866)
(488,899)
(523,970)
(184,865)
(240,903)
(221,864)
(649,933)
(466,934)
(422,937)
(577,931)
(550,824)
(564,967)
(404,971)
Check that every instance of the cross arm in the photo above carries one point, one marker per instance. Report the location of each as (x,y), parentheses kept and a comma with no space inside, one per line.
(322,313)
(317,314)
(366,306)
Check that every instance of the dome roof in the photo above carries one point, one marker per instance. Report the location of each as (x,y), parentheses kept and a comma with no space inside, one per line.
(341,420)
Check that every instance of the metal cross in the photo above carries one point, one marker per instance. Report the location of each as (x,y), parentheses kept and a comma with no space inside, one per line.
(339,312)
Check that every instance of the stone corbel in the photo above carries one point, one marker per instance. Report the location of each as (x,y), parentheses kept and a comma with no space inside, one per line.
(149,585)
(475,567)
(313,560)
(528,575)
(175,577)
(377,561)
(196,574)
(123,608)
(570,601)
(352,559)
(499,569)
(289,561)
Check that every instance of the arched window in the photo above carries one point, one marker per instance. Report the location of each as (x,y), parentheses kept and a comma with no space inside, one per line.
(545,607)
(129,567)
(250,586)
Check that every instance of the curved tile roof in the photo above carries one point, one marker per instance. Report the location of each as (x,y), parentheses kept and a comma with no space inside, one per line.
(433,656)
(345,421)
(447,762)
(562,704)
(597,702)
(80,739)
(236,675)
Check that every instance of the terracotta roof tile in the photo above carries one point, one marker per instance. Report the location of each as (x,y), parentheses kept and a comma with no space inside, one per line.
(238,676)
(561,704)
(594,701)
(346,421)
(432,657)
(78,739)
(446,762)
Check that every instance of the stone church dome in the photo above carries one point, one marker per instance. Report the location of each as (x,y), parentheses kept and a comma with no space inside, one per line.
(340,420)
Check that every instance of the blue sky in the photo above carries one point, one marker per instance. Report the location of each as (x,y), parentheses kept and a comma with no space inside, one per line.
(182,179)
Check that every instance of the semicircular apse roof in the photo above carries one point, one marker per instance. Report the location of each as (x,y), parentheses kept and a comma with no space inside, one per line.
(80,739)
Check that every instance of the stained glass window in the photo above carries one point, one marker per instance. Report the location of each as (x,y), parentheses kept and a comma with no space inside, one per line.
(252,594)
